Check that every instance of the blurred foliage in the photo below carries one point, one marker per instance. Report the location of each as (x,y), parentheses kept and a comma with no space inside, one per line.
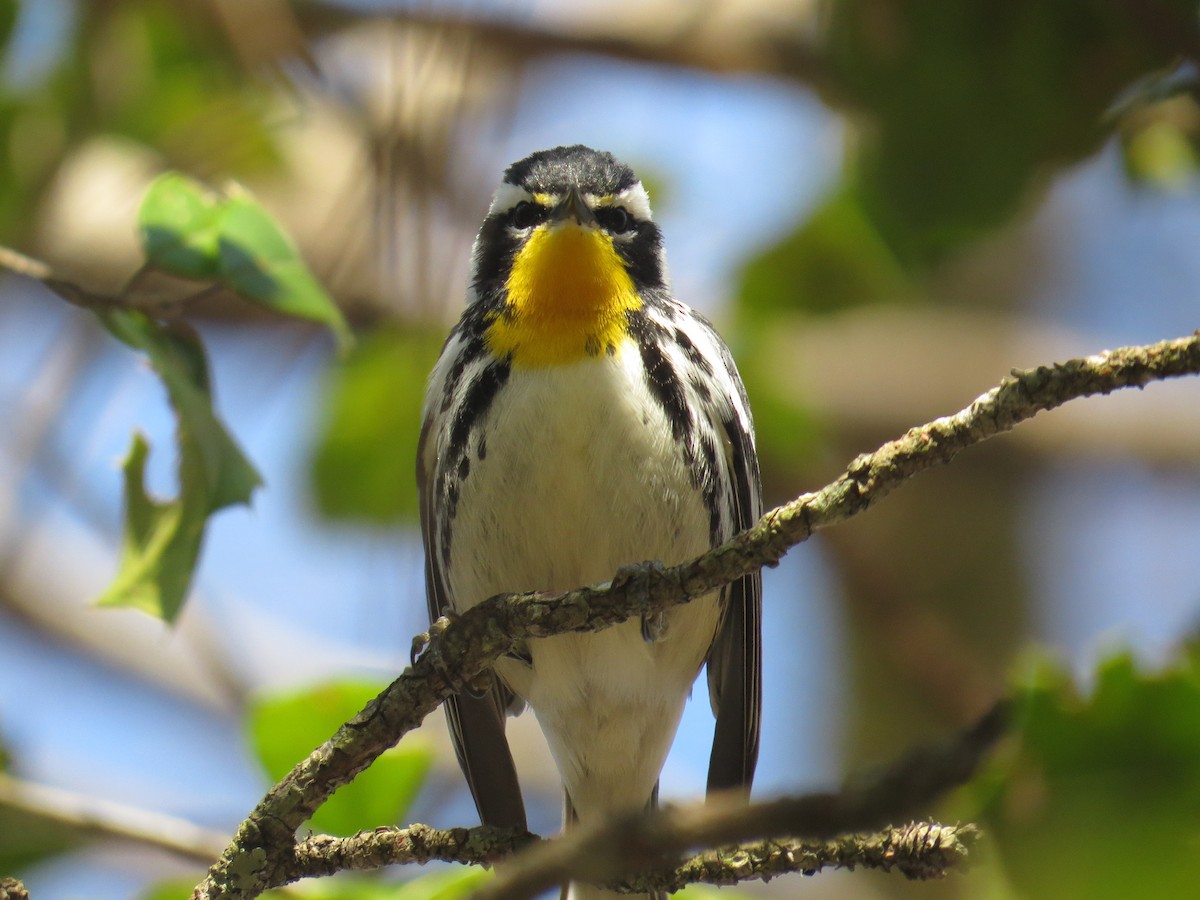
(449,883)
(162,539)
(1160,133)
(966,107)
(192,232)
(28,839)
(835,259)
(366,455)
(25,839)
(285,729)
(787,433)
(1099,796)
(157,73)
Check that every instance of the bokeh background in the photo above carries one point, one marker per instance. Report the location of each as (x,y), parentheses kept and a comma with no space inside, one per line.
(884,205)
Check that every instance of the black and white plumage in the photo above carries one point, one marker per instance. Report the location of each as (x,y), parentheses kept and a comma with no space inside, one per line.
(581,419)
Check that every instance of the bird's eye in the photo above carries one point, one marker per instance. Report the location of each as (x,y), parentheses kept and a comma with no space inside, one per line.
(526,214)
(615,219)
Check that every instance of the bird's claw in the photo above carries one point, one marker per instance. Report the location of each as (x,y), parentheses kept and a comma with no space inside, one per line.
(636,578)
(425,640)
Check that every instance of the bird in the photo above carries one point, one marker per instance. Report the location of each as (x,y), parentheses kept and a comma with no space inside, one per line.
(581,419)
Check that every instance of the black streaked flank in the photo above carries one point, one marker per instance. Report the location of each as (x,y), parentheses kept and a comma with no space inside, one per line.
(664,382)
(475,405)
(472,350)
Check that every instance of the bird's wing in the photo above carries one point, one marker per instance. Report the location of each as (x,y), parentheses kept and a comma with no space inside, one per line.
(476,721)
(735,661)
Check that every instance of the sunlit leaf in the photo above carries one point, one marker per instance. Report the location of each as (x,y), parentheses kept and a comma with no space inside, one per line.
(162,538)
(178,221)
(190,231)
(285,729)
(365,459)
(260,262)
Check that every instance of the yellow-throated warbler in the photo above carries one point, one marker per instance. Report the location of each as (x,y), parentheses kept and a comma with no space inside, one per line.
(580,419)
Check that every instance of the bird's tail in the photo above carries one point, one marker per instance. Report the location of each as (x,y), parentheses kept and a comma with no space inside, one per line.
(578,891)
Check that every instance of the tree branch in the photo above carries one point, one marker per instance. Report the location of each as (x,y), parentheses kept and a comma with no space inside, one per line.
(918,850)
(104,818)
(28,267)
(641,842)
(649,844)
(456,652)
(659,33)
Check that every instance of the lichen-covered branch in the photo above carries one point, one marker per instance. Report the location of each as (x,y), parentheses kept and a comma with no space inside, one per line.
(457,651)
(641,843)
(918,851)
(324,854)
(792,834)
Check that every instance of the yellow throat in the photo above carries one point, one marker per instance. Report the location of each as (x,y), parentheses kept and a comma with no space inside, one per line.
(568,293)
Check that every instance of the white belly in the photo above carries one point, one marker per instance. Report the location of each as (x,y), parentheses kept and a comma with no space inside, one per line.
(581,476)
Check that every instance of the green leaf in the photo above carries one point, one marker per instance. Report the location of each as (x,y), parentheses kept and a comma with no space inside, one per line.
(162,538)
(259,261)
(178,221)
(160,545)
(285,729)
(1100,797)
(188,230)
(366,451)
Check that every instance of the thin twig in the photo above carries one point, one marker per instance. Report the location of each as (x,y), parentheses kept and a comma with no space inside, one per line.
(20,264)
(28,267)
(459,651)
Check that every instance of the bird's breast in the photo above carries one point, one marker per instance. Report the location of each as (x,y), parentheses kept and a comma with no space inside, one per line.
(579,475)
